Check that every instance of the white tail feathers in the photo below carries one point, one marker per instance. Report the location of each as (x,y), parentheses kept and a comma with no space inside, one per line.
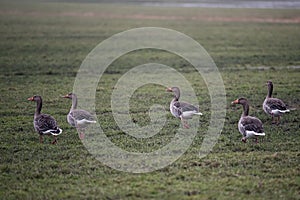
(284,111)
(252,133)
(279,112)
(189,114)
(260,134)
(53,132)
(60,131)
(85,121)
(198,113)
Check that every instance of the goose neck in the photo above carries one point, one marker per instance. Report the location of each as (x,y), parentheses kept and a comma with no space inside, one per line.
(38,107)
(176,95)
(245,109)
(74,102)
(270,90)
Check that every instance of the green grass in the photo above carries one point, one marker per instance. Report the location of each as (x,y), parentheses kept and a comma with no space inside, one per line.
(42,47)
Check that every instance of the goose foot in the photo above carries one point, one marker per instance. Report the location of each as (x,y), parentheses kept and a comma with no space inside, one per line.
(276,122)
(54,141)
(244,140)
(186,126)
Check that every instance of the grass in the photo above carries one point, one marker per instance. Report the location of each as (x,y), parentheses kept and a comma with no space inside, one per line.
(43,45)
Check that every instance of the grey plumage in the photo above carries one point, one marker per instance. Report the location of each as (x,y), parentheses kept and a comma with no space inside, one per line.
(77,117)
(274,106)
(248,126)
(182,110)
(44,124)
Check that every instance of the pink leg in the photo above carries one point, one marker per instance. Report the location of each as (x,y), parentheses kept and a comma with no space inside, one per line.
(55,140)
(81,135)
(278,120)
(41,139)
(273,119)
(184,123)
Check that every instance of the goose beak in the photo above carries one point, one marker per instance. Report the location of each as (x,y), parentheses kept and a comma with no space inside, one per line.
(169,90)
(235,102)
(30,99)
(65,96)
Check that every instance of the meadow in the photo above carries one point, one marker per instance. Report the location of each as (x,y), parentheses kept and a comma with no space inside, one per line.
(42,47)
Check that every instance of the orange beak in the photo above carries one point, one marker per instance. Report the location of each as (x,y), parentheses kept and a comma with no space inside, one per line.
(169,90)
(235,102)
(30,99)
(66,96)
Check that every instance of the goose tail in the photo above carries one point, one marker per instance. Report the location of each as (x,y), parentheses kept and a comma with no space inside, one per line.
(55,132)
(259,134)
(198,113)
(284,111)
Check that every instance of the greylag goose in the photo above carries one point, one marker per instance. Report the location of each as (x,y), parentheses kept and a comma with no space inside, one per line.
(248,126)
(78,118)
(273,106)
(182,110)
(44,124)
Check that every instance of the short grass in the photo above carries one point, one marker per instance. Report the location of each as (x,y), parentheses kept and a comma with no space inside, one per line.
(42,47)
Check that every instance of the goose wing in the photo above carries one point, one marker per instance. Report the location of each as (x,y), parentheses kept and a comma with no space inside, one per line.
(252,124)
(79,115)
(276,104)
(45,124)
(184,106)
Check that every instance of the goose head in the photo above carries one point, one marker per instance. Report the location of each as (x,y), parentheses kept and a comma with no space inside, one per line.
(175,91)
(69,96)
(269,83)
(244,102)
(241,101)
(35,98)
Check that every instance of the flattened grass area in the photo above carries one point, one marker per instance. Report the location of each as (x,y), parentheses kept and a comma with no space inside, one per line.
(42,47)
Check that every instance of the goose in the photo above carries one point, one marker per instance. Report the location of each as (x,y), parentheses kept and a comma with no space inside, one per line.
(44,124)
(273,106)
(182,110)
(248,126)
(78,118)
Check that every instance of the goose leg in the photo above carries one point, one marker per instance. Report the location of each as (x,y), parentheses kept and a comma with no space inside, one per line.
(273,119)
(184,123)
(278,120)
(244,140)
(81,135)
(80,132)
(41,139)
(55,140)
